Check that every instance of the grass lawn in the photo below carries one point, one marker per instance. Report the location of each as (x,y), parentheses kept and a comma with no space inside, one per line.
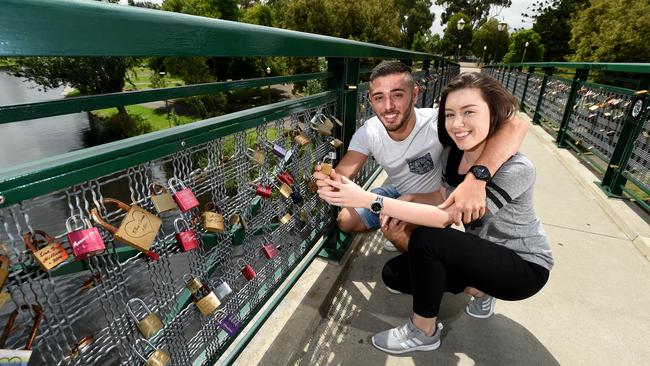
(140,76)
(156,117)
(6,62)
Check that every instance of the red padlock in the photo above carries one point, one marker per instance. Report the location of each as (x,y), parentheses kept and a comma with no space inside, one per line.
(284,177)
(185,237)
(85,240)
(263,191)
(184,197)
(248,271)
(269,250)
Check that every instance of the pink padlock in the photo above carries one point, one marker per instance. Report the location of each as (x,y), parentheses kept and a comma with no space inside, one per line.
(185,236)
(248,271)
(284,177)
(184,197)
(269,250)
(85,240)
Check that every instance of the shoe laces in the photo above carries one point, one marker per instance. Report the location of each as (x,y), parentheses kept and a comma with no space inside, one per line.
(401,332)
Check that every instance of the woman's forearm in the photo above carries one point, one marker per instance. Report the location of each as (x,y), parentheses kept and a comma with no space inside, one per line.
(415,213)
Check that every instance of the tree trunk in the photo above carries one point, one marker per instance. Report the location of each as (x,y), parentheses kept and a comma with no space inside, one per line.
(122,111)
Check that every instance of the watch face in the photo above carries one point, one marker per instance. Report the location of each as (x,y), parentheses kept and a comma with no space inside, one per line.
(481,172)
(376,207)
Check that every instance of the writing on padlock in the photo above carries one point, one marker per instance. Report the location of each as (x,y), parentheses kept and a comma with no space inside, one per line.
(149,324)
(222,290)
(285,177)
(156,358)
(326,164)
(49,256)
(161,198)
(138,228)
(84,238)
(183,196)
(185,235)
(206,300)
(230,324)
(213,221)
(25,354)
(247,270)
(269,250)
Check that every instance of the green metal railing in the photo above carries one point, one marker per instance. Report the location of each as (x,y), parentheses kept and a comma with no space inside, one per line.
(607,125)
(210,156)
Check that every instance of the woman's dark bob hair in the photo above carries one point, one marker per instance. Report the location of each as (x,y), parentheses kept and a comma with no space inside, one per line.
(502,104)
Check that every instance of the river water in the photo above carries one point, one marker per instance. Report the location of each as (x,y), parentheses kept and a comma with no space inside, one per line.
(25,141)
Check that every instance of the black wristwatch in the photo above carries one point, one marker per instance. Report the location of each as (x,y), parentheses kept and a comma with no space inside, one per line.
(481,172)
(377,205)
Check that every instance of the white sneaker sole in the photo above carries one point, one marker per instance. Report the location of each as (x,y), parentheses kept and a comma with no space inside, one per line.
(393,291)
(389,247)
(428,347)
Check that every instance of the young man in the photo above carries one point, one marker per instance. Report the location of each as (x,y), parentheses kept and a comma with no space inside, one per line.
(404,141)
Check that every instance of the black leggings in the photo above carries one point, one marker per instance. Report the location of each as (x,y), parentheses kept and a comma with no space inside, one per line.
(440,260)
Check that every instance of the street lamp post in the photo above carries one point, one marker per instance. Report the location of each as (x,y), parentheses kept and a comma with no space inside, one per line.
(500,28)
(460,25)
(268,73)
(524,55)
(483,57)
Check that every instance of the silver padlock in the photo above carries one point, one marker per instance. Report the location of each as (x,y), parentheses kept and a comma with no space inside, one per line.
(222,290)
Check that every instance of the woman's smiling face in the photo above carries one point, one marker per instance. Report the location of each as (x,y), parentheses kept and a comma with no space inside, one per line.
(467,118)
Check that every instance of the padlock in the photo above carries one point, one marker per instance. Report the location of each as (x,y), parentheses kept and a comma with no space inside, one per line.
(257,155)
(279,151)
(247,270)
(230,325)
(185,236)
(285,177)
(148,325)
(285,190)
(26,353)
(338,121)
(269,250)
(161,198)
(300,138)
(311,184)
(157,358)
(321,124)
(237,219)
(138,228)
(263,191)
(336,143)
(85,240)
(4,270)
(206,300)
(222,290)
(285,219)
(193,284)
(183,197)
(213,221)
(326,164)
(48,257)
(303,215)
(296,197)
(78,348)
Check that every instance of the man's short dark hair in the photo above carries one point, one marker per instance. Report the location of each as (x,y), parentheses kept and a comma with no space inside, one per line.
(389,68)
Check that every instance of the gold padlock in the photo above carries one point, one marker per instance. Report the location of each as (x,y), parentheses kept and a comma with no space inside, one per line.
(138,228)
(208,302)
(284,219)
(193,284)
(157,358)
(150,324)
(48,257)
(301,138)
(326,167)
(4,270)
(213,221)
(237,219)
(161,198)
(285,190)
(336,143)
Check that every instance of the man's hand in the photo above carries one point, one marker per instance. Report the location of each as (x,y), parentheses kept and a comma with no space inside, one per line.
(467,201)
(397,232)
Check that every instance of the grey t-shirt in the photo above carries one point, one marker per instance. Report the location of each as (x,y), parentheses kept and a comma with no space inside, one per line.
(510,219)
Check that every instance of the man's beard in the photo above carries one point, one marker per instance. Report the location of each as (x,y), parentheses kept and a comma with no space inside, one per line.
(401,123)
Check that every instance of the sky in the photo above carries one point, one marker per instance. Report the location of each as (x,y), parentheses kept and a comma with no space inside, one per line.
(511,15)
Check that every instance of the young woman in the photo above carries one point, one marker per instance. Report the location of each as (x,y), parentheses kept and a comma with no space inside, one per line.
(505,254)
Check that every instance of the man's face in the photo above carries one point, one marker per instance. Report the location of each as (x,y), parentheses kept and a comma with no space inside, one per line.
(392,98)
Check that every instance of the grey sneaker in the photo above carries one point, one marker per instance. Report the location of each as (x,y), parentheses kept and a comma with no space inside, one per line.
(406,338)
(389,247)
(481,307)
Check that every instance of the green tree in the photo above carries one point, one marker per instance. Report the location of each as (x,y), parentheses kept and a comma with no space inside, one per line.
(221,9)
(552,20)
(414,17)
(452,37)
(534,51)
(487,35)
(426,42)
(476,10)
(612,31)
(258,14)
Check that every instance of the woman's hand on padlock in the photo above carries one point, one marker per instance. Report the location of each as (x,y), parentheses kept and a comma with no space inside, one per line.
(345,193)
(321,179)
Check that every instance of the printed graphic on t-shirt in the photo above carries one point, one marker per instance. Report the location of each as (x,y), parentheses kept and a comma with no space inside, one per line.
(421,165)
